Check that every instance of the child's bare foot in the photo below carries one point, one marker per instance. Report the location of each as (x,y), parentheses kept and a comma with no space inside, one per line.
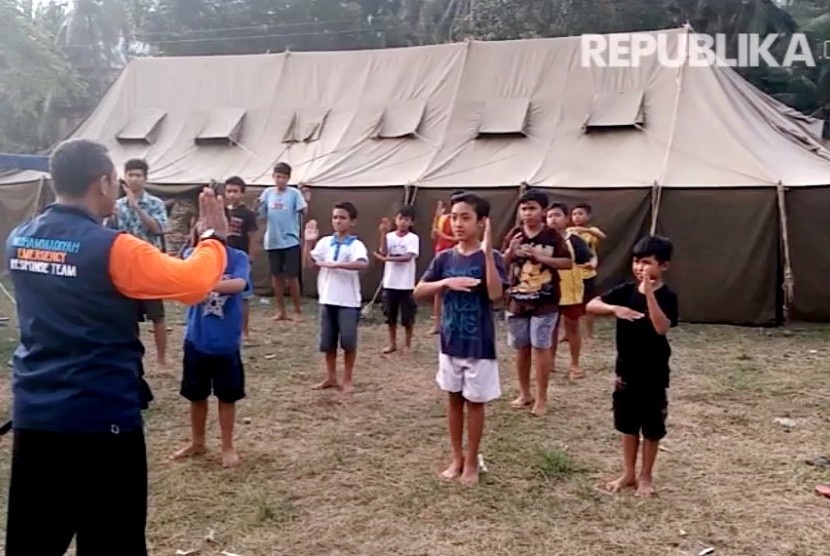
(453,471)
(188,451)
(296,317)
(347,388)
(539,408)
(279,317)
(435,330)
(229,458)
(575,373)
(470,475)
(407,350)
(621,483)
(326,385)
(645,488)
(389,349)
(521,402)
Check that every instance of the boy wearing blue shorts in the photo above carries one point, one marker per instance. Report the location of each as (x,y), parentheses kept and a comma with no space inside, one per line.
(533,254)
(212,360)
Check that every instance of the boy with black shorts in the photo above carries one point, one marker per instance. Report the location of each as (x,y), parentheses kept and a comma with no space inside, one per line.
(283,207)
(340,258)
(212,360)
(399,251)
(242,222)
(645,311)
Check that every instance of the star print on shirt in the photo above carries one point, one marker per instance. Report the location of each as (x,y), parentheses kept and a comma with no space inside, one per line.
(215,304)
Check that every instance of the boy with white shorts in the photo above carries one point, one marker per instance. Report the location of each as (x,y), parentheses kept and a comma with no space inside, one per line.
(469,277)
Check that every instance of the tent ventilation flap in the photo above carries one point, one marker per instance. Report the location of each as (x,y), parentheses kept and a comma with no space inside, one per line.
(142,127)
(505,117)
(223,126)
(401,119)
(306,125)
(616,110)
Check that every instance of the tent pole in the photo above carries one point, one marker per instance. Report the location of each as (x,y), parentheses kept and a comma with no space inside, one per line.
(789,277)
(656,198)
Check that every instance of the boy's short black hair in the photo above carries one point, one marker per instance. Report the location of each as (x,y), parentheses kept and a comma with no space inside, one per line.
(407,211)
(584,206)
(456,192)
(283,168)
(479,204)
(348,207)
(75,164)
(237,181)
(534,196)
(659,247)
(561,206)
(137,164)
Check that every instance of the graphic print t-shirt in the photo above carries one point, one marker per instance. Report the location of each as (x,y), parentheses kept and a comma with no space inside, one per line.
(467,326)
(401,276)
(241,222)
(215,324)
(281,208)
(642,354)
(534,287)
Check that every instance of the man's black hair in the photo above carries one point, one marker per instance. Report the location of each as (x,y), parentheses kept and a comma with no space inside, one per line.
(407,211)
(237,181)
(561,206)
(584,206)
(283,168)
(479,204)
(659,247)
(534,196)
(137,164)
(76,164)
(348,207)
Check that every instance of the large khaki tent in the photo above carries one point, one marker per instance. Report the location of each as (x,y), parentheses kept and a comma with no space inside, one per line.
(695,151)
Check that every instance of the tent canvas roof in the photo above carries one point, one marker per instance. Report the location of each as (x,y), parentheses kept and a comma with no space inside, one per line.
(415,116)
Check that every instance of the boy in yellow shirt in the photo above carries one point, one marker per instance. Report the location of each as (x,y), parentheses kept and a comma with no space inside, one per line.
(572,287)
(581,219)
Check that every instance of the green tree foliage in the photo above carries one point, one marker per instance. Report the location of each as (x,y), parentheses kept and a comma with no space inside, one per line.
(30,69)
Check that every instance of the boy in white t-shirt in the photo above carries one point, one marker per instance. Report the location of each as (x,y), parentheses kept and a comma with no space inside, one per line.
(399,250)
(340,258)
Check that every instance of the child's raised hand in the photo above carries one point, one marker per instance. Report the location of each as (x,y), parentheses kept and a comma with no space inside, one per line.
(461,283)
(312,233)
(487,242)
(625,313)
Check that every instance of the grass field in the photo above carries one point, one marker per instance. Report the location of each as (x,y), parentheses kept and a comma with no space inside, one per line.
(327,474)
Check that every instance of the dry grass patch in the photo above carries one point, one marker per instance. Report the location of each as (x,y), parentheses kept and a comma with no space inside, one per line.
(327,474)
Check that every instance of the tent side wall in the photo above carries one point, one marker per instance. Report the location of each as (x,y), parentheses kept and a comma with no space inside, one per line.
(809,240)
(18,203)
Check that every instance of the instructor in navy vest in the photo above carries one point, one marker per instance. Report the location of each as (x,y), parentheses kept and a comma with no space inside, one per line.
(79,464)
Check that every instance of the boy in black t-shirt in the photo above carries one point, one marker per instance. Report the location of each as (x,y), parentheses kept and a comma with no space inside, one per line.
(645,312)
(241,224)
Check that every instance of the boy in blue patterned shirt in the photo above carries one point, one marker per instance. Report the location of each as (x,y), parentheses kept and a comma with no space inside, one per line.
(144,216)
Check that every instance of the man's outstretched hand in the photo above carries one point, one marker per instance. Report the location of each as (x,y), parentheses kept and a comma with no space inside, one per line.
(212,213)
